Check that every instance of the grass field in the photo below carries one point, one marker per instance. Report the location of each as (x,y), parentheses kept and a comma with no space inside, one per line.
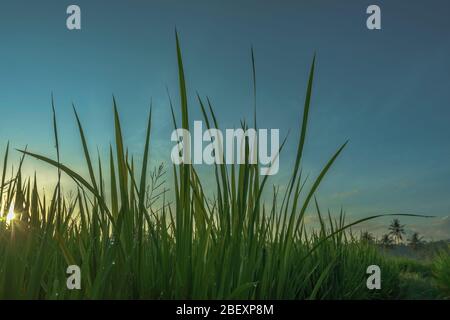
(234,247)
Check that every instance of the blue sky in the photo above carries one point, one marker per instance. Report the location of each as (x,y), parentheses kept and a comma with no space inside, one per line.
(387,91)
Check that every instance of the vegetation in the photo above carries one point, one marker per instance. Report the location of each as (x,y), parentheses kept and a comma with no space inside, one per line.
(441,269)
(128,247)
(386,241)
(396,231)
(415,241)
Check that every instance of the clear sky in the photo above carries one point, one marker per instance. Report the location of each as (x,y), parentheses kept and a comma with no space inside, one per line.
(388,90)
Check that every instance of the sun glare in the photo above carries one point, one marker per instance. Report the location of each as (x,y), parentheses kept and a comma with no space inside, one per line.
(11,215)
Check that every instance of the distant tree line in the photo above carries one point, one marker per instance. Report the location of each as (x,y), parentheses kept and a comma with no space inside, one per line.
(394,236)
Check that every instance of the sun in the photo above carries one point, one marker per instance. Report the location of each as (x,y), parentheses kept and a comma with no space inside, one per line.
(11,215)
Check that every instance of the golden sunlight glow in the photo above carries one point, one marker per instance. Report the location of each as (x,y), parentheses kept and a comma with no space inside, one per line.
(11,215)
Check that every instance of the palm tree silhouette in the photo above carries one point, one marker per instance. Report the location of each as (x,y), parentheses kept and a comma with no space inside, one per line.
(386,241)
(415,241)
(397,230)
(367,237)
